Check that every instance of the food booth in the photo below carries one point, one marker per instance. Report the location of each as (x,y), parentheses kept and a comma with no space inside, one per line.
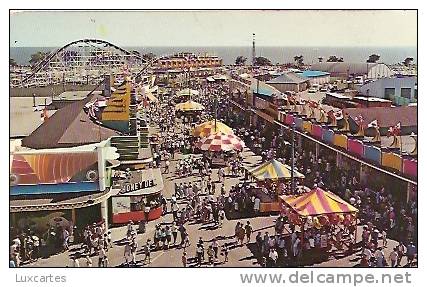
(142,188)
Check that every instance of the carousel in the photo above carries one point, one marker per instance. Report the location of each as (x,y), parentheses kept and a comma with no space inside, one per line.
(322,211)
(272,175)
(189,110)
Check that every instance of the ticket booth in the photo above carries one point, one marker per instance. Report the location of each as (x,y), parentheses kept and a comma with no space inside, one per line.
(144,188)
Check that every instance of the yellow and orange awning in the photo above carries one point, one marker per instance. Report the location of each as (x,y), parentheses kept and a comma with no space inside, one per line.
(318,202)
(273,170)
(189,106)
(211,127)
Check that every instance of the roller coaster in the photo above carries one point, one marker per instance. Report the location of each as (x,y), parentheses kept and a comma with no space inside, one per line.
(82,62)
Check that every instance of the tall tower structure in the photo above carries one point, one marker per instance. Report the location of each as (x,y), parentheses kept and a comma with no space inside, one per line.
(253,49)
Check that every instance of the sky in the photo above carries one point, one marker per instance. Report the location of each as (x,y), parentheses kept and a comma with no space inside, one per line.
(216,28)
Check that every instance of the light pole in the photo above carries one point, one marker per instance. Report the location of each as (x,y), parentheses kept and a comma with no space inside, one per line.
(293,159)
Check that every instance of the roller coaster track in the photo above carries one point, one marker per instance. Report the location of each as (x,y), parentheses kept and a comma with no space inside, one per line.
(45,62)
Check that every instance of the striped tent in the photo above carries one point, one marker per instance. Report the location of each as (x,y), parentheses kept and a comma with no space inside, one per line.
(318,202)
(189,106)
(220,142)
(274,170)
(209,127)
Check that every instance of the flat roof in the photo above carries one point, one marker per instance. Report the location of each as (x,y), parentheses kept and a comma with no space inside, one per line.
(313,73)
(24,119)
(20,203)
(371,99)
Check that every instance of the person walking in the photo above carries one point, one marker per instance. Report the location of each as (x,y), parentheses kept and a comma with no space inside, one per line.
(393,257)
(184,259)
(147,252)
(174,230)
(248,231)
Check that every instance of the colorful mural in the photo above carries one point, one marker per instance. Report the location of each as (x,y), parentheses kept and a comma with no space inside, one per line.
(45,168)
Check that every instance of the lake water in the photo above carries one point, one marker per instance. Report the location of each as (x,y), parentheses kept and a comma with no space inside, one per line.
(275,54)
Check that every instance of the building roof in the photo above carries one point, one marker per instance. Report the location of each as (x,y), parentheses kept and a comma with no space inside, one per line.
(263,88)
(344,67)
(386,116)
(24,119)
(68,127)
(288,78)
(313,74)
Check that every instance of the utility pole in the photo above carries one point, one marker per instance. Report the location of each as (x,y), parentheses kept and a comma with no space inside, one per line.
(293,159)
(253,49)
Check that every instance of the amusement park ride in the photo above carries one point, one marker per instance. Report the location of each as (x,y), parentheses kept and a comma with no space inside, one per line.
(81,62)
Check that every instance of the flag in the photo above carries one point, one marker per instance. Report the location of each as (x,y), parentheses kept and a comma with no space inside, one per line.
(396,129)
(373,124)
(44,116)
(313,104)
(359,120)
(338,115)
(331,114)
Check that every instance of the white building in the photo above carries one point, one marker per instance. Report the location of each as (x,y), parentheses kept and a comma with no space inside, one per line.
(348,70)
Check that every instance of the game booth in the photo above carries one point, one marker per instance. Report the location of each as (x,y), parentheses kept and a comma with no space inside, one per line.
(142,189)
(272,175)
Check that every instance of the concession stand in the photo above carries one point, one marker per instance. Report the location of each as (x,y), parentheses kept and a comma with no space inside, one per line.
(143,188)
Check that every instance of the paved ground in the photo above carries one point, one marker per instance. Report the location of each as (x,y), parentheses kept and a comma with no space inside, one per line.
(239,256)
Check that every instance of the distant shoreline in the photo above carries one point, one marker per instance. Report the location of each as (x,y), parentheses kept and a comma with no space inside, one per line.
(277,54)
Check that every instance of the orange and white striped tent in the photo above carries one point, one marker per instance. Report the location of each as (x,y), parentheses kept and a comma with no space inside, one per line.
(318,202)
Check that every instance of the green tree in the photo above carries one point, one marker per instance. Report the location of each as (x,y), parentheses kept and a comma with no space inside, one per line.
(37,57)
(240,60)
(373,58)
(149,56)
(408,61)
(335,59)
(299,60)
(12,62)
(262,61)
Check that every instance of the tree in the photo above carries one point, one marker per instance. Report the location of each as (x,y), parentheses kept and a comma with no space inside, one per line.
(37,57)
(373,58)
(149,56)
(240,60)
(320,59)
(408,61)
(335,59)
(12,62)
(262,61)
(299,60)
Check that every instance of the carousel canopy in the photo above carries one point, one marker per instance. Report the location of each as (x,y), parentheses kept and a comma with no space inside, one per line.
(210,127)
(273,170)
(189,106)
(220,142)
(318,202)
(187,92)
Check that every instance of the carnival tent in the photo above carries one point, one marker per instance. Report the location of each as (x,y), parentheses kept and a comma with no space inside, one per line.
(273,170)
(189,106)
(187,92)
(210,127)
(318,202)
(220,142)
